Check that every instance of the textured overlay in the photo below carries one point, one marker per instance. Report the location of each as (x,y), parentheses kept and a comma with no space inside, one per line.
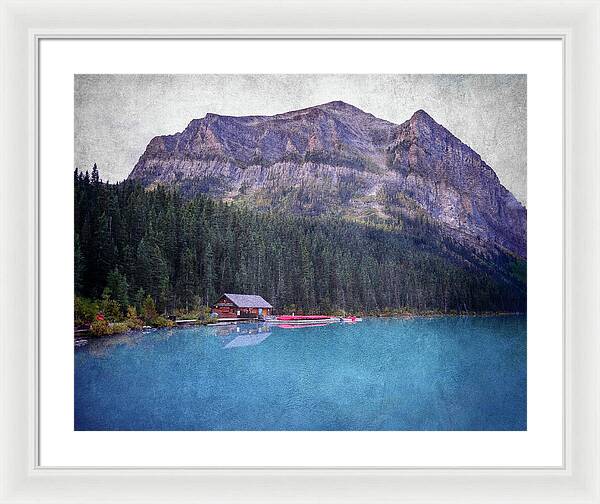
(117,115)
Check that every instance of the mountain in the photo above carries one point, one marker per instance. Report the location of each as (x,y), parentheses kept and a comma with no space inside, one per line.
(335,159)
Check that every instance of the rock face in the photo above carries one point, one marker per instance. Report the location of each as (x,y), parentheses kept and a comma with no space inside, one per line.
(455,186)
(336,159)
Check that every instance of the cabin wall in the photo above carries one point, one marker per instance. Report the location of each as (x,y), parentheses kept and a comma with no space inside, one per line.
(255,311)
(225,312)
(232,312)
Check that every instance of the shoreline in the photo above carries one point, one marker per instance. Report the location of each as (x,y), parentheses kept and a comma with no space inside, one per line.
(82,334)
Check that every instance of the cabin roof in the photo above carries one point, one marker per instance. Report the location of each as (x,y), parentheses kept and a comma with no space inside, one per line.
(248,301)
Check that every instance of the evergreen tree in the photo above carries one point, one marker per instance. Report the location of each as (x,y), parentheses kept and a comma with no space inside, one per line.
(208,275)
(148,311)
(117,283)
(179,250)
(95,176)
(79,266)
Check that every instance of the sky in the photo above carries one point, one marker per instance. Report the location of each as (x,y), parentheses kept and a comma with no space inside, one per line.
(117,115)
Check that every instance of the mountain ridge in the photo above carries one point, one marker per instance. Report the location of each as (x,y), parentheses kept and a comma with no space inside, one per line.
(337,158)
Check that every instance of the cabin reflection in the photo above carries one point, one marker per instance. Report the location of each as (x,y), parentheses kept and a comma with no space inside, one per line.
(236,336)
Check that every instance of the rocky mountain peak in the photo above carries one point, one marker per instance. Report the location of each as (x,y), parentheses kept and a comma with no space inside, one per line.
(336,158)
(420,116)
(423,125)
(339,106)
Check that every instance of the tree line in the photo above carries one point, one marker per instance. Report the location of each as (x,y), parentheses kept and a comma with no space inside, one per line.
(131,243)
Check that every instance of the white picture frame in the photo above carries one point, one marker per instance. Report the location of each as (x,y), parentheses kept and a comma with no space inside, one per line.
(24,23)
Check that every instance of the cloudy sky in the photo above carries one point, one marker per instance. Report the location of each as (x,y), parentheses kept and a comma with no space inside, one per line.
(117,115)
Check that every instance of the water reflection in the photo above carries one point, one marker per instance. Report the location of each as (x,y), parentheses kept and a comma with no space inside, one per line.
(244,335)
(101,347)
(230,336)
(299,326)
(247,340)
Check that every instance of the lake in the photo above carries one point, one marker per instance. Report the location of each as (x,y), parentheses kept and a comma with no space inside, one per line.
(441,373)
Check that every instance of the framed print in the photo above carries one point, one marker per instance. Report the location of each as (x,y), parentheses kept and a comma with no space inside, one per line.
(300,225)
(291,255)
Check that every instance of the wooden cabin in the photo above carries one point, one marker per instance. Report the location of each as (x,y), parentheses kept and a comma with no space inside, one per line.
(241,306)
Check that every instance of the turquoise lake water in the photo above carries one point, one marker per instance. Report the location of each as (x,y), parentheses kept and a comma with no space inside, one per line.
(446,373)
